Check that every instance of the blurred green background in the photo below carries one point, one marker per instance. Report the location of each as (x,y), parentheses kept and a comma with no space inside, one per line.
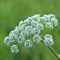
(12,11)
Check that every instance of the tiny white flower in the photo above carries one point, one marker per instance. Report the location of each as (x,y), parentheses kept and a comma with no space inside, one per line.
(7,41)
(43,20)
(21,23)
(22,27)
(12,36)
(51,16)
(14,49)
(40,26)
(48,41)
(21,40)
(37,38)
(28,43)
(12,32)
(49,25)
(23,33)
(33,23)
(36,17)
(27,21)
(36,31)
(54,21)
(30,18)
(47,17)
(28,30)
(16,30)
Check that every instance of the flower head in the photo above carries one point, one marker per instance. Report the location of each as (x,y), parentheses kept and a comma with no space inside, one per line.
(28,43)
(14,49)
(54,21)
(37,38)
(21,40)
(49,25)
(7,41)
(48,40)
(28,30)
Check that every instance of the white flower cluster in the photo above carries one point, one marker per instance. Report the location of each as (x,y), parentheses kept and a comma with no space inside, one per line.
(49,20)
(29,31)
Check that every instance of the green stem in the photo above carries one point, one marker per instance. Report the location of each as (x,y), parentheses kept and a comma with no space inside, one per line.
(53,51)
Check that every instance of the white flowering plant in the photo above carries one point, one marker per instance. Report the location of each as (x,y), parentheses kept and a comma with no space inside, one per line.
(29,31)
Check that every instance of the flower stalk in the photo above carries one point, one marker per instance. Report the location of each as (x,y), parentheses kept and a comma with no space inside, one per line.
(52,50)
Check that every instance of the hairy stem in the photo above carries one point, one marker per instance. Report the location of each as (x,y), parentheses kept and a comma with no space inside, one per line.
(53,51)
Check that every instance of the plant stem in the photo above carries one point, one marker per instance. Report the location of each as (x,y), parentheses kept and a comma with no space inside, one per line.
(53,51)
